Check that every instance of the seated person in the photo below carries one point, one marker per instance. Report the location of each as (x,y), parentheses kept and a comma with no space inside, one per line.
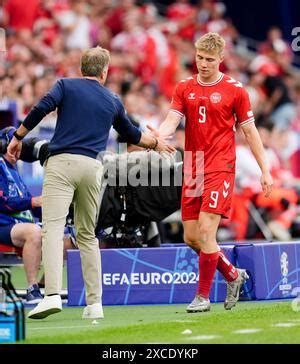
(18,210)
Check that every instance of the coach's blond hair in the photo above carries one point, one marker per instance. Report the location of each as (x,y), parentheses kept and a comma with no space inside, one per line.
(211,43)
(94,61)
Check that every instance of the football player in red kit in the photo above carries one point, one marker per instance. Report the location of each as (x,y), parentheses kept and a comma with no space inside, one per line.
(213,105)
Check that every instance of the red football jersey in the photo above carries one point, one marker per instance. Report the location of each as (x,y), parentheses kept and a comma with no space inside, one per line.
(212,111)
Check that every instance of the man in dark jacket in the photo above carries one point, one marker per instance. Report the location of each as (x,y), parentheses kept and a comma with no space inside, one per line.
(73,173)
(20,213)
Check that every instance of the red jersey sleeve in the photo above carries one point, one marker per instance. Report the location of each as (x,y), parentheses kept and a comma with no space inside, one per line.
(177,103)
(242,107)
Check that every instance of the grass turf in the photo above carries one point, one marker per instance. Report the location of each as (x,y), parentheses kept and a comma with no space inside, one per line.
(165,324)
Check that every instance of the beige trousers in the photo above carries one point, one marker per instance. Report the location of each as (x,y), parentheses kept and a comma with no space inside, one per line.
(77,178)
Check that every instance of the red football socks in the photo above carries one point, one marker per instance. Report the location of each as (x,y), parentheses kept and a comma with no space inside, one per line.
(227,269)
(207,268)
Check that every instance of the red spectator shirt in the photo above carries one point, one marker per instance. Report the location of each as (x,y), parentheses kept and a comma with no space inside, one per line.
(183,15)
(22,14)
(212,111)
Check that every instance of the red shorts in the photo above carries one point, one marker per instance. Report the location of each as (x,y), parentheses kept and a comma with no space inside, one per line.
(215,196)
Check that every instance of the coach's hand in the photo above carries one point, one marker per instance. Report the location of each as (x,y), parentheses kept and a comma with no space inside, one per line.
(157,134)
(266,181)
(14,148)
(163,147)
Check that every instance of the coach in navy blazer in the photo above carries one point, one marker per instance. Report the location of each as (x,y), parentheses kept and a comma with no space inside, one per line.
(86,112)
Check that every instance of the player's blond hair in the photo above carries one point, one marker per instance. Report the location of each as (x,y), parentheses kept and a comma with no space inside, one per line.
(211,43)
(94,61)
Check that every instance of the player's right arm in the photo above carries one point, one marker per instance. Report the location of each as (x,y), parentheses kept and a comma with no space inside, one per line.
(169,125)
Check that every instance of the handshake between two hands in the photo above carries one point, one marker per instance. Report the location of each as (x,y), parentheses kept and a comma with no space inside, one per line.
(162,142)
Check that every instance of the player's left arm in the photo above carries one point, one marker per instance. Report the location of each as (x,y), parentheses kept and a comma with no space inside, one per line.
(256,146)
(245,119)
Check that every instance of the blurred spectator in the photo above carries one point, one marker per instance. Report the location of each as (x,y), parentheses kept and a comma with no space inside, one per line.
(277,46)
(19,16)
(275,55)
(277,104)
(115,19)
(169,70)
(182,14)
(46,24)
(150,23)
(76,25)
(8,106)
(26,99)
(135,47)
(295,155)
(281,207)
(204,10)
(219,24)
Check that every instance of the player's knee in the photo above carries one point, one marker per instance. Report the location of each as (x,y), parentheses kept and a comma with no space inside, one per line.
(191,240)
(204,232)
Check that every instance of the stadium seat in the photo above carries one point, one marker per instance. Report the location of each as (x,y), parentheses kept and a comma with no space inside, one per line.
(10,249)
(10,256)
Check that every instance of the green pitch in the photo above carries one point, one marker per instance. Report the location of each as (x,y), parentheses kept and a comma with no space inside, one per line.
(249,322)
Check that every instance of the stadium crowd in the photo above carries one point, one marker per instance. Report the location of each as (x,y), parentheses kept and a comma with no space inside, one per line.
(152,48)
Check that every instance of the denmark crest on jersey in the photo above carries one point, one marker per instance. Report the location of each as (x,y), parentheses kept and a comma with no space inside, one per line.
(215,97)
